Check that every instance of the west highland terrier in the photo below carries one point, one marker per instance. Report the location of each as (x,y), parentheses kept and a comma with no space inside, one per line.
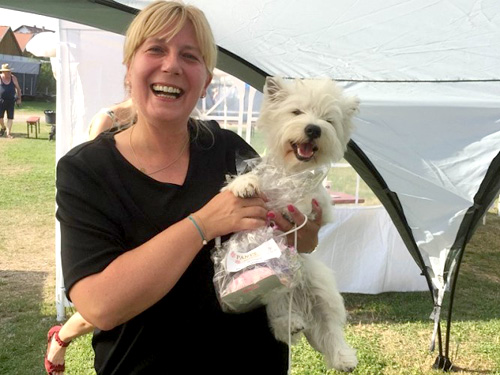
(307,124)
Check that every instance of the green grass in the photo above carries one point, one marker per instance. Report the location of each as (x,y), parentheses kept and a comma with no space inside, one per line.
(391,331)
(26,210)
(34,107)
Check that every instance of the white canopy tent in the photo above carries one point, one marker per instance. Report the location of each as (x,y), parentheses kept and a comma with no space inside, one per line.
(86,83)
(428,75)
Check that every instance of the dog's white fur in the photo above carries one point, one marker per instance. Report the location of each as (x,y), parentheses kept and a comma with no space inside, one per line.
(315,114)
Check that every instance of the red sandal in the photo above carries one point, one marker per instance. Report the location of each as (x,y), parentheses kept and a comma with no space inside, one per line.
(49,366)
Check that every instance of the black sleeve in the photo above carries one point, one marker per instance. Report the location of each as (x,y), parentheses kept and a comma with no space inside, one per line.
(90,230)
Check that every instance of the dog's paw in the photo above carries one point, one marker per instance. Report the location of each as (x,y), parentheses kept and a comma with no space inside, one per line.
(345,360)
(244,186)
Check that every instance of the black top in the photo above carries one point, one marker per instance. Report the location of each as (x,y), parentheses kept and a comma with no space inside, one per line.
(8,90)
(106,207)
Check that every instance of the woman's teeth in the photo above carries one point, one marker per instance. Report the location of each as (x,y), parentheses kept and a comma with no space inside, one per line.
(167,91)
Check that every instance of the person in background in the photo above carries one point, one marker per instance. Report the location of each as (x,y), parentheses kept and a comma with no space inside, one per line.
(119,116)
(140,208)
(10,94)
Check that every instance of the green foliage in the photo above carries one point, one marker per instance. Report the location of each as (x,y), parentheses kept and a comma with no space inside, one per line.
(46,81)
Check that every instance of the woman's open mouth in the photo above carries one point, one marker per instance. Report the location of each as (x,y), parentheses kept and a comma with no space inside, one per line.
(169,92)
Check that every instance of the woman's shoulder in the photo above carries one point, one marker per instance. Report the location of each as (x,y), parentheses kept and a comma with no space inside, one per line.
(216,136)
(91,152)
(230,146)
(228,134)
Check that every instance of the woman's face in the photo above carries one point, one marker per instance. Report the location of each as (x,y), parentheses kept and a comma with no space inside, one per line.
(167,78)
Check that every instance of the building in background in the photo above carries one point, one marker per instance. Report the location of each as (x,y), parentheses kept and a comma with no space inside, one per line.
(13,52)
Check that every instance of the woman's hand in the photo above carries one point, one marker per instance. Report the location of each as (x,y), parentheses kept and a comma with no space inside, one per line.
(227,213)
(307,236)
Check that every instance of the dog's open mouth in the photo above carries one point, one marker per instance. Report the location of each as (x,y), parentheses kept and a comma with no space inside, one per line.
(304,151)
(167,91)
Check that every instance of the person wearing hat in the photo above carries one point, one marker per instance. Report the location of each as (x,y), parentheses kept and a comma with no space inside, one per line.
(10,93)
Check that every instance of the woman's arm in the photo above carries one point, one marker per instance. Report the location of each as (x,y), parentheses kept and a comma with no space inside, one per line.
(139,278)
(18,89)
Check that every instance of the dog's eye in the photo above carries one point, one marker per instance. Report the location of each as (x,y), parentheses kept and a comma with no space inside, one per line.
(297,112)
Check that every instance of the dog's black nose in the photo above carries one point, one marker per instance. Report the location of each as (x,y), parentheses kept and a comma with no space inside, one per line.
(313,131)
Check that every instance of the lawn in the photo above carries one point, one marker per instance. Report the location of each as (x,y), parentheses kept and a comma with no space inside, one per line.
(391,331)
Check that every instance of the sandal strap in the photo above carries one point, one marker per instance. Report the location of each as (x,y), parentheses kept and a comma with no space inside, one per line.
(59,341)
(51,367)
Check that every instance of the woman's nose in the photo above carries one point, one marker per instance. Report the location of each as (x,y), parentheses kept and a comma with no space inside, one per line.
(171,64)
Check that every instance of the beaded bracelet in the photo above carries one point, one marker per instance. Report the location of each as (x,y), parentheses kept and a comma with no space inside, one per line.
(204,240)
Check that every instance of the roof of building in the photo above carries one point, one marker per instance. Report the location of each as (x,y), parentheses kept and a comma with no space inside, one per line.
(25,29)
(3,31)
(23,39)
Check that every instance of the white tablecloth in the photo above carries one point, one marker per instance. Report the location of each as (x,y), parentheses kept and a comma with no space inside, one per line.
(366,252)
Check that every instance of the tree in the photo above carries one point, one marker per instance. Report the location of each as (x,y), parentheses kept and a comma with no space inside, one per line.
(46,81)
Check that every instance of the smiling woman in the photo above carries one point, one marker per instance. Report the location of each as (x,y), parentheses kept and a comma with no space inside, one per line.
(176,77)
(139,210)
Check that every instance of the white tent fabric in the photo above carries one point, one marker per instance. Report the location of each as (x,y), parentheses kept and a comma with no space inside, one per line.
(370,40)
(90,76)
(455,133)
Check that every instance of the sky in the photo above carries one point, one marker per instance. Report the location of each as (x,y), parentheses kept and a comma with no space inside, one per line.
(15,19)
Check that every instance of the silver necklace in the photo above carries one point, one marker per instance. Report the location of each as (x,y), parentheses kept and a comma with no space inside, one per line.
(142,169)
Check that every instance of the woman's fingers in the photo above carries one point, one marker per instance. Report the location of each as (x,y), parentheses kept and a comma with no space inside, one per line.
(227,213)
(307,236)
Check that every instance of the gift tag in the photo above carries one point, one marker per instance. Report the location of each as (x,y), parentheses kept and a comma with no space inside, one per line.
(236,261)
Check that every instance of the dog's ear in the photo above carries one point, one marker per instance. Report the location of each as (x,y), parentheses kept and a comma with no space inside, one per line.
(350,106)
(274,89)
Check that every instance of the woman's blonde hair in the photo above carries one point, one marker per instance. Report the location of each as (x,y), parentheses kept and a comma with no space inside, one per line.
(172,15)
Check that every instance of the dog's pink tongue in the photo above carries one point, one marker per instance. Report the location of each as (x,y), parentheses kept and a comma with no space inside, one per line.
(305,149)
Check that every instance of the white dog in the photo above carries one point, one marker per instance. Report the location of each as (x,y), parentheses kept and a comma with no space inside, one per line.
(307,124)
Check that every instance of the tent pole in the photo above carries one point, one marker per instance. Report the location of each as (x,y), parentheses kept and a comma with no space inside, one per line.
(362,164)
(482,200)
(444,362)
(448,365)
(440,340)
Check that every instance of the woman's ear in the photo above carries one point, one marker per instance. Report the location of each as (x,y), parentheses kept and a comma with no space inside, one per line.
(207,83)
(128,84)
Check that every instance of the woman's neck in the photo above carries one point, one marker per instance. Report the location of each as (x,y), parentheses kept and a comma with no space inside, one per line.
(159,141)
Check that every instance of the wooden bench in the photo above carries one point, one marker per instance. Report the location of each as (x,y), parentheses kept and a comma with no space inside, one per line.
(31,122)
(344,198)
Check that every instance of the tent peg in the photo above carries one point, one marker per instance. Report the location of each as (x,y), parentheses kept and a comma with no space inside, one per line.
(443,363)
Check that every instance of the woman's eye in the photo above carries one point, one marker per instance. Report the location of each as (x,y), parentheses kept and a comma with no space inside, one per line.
(297,112)
(190,56)
(155,49)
